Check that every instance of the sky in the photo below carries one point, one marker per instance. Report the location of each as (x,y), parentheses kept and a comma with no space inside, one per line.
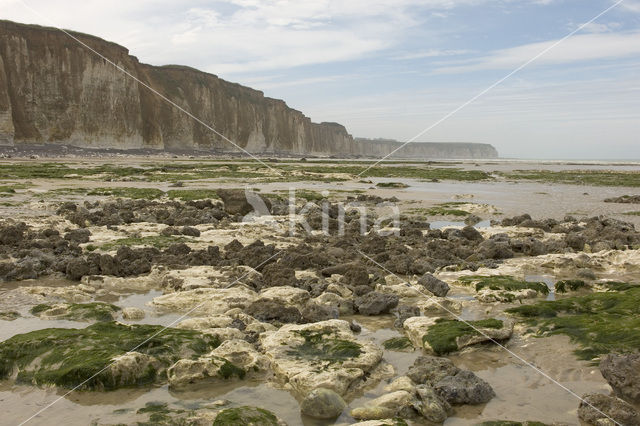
(393,68)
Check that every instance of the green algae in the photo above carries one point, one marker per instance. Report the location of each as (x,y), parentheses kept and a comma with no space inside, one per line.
(97,311)
(442,336)
(72,357)
(319,345)
(397,344)
(599,323)
(193,194)
(398,185)
(565,286)
(502,282)
(128,192)
(578,177)
(245,416)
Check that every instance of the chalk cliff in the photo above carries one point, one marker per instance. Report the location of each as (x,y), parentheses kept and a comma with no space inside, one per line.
(54,90)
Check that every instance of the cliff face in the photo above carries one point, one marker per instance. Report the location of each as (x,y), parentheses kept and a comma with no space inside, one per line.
(424,150)
(53,90)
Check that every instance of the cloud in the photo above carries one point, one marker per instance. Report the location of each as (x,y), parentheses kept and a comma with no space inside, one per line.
(243,36)
(584,47)
(431,53)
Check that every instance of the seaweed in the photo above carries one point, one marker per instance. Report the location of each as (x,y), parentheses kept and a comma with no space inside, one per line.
(599,322)
(502,282)
(397,343)
(318,345)
(443,335)
(72,357)
(245,416)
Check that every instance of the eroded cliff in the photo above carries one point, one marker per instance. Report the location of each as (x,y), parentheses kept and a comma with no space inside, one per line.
(54,90)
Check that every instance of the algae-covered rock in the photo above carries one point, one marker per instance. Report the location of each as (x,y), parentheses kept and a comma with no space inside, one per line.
(503,288)
(322,404)
(96,311)
(324,354)
(247,416)
(441,336)
(600,322)
(69,357)
(233,359)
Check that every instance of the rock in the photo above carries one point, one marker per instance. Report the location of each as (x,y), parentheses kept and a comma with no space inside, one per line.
(403,383)
(77,268)
(79,236)
(321,355)
(209,301)
(376,303)
(273,310)
(607,408)
(275,274)
(472,219)
(314,312)
(622,372)
(441,336)
(323,403)
(247,416)
(131,367)
(236,201)
(464,387)
(188,371)
(190,231)
(432,406)
(332,300)
(356,276)
(437,287)
(131,313)
(290,296)
(404,312)
(99,345)
(388,405)
(471,233)
(431,369)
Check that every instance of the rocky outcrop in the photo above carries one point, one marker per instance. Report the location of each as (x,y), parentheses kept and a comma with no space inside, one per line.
(53,90)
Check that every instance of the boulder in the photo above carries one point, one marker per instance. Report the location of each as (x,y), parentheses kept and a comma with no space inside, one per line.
(622,372)
(239,201)
(273,310)
(376,303)
(603,410)
(434,285)
(246,416)
(431,369)
(206,301)
(323,403)
(321,355)
(431,405)
(385,406)
(464,387)
(441,336)
(232,359)
(131,313)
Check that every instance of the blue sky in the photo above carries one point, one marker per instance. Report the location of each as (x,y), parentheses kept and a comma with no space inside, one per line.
(392,68)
